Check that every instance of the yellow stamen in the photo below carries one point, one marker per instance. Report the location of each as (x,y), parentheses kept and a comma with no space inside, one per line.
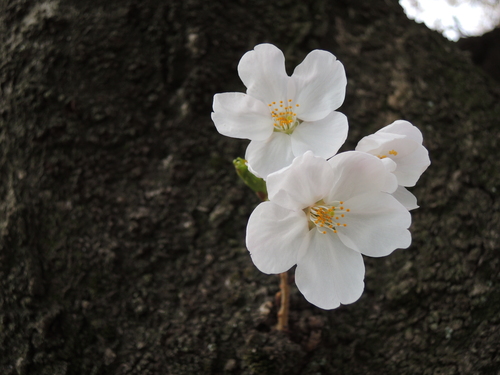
(324,215)
(285,120)
(392,152)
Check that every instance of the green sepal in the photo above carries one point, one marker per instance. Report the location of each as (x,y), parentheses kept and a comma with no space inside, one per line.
(258,185)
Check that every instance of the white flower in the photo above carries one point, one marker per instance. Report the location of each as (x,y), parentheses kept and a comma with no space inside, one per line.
(284,116)
(322,215)
(401,143)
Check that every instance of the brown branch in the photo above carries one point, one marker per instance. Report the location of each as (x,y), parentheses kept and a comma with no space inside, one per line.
(285,303)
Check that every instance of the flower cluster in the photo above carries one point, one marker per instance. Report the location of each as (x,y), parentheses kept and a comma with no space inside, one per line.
(325,209)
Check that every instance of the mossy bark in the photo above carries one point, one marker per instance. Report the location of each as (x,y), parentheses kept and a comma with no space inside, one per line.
(122,221)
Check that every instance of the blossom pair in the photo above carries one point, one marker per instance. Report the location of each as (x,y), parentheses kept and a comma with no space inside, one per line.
(324,211)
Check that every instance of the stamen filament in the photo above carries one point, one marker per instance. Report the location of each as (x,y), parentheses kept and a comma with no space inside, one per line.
(327,216)
(285,120)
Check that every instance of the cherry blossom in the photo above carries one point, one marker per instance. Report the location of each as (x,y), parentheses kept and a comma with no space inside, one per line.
(321,216)
(399,145)
(284,116)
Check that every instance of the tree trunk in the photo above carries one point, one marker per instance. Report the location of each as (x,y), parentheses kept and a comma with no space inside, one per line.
(122,221)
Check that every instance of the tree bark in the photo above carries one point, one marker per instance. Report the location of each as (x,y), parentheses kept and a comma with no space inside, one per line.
(122,221)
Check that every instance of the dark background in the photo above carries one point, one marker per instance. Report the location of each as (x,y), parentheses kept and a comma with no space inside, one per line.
(122,221)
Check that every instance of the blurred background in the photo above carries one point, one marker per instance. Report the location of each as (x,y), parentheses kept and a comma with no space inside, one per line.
(455,19)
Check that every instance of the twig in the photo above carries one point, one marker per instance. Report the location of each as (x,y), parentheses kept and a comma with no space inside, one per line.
(285,303)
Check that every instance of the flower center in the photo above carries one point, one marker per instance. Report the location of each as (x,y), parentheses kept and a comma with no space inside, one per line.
(328,217)
(392,152)
(285,119)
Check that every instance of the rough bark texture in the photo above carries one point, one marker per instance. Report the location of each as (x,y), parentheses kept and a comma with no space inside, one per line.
(122,222)
(485,51)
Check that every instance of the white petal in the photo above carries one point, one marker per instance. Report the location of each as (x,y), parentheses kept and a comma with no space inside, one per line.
(358,173)
(406,198)
(373,142)
(323,137)
(379,144)
(410,168)
(330,274)
(305,182)
(320,84)
(269,156)
(389,164)
(263,73)
(405,128)
(238,115)
(274,237)
(376,225)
